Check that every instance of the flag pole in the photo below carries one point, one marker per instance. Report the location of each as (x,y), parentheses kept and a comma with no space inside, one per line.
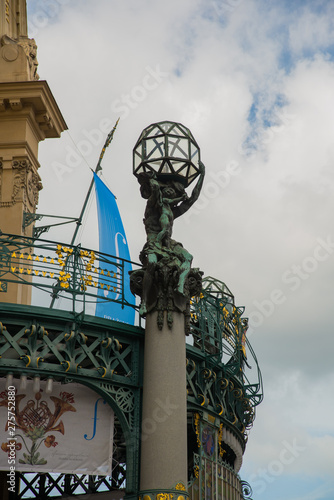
(97,169)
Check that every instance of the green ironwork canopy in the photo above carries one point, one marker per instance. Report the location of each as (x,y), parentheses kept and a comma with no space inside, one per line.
(107,356)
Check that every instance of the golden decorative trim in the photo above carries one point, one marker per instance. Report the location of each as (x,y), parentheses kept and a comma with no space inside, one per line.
(220,437)
(203,402)
(180,486)
(196,422)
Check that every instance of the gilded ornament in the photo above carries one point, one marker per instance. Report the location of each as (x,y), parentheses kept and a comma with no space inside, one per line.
(203,401)
(196,422)
(180,486)
(220,437)
(165,496)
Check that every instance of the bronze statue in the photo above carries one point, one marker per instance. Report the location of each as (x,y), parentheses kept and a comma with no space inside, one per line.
(166,263)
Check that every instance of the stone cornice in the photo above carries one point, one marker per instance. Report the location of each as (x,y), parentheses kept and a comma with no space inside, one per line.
(15,96)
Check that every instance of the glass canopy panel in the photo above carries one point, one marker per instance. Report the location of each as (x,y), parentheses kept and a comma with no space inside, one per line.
(178,148)
(152,165)
(180,167)
(137,159)
(191,178)
(153,132)
(184,130)
(140,170)
(138,149)
(166,126)
(194,152)
(192,170)
(155,148)
(195,158)
(142,135)
(166,169)
(177,131)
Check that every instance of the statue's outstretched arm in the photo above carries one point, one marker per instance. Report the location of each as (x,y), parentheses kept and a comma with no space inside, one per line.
(185,205)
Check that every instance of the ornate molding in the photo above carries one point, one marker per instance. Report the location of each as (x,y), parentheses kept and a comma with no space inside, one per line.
(26,179)
(19,172)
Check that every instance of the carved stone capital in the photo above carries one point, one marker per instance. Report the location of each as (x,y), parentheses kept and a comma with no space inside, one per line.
(162,294)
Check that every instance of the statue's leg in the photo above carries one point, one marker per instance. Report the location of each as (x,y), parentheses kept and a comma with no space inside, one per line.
(186,260)
(165,227)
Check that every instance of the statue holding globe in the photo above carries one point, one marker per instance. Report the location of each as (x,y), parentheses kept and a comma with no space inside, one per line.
(166,161)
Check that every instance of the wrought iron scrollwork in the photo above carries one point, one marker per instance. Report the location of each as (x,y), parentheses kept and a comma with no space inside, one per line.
(247,491)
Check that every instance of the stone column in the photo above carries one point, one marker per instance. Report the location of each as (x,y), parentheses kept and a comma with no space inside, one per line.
(164,423)
(164,468)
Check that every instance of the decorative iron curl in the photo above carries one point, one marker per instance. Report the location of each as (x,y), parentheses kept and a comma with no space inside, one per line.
(247,491)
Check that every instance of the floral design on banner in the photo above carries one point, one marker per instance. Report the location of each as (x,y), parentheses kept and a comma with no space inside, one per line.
(35,421)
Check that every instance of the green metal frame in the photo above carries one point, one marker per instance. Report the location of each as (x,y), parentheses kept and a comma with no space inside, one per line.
(103,355)
(29,218)
(107,356)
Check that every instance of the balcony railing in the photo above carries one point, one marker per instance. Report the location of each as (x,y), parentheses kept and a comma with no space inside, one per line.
(58,270)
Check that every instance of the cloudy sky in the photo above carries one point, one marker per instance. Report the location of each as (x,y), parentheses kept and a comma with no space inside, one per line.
(254,82)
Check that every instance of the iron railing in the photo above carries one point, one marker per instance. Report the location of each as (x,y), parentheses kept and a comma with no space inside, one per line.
(71,272)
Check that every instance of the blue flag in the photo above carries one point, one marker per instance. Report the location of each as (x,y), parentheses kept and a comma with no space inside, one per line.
(112,241)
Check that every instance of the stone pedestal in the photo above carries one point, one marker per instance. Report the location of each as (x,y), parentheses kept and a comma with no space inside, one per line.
(164,424)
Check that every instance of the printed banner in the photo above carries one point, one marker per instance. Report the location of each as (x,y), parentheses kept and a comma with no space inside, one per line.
(112,240)
(70,430)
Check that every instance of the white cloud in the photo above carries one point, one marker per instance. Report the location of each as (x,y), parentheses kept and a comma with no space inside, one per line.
(312,31)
